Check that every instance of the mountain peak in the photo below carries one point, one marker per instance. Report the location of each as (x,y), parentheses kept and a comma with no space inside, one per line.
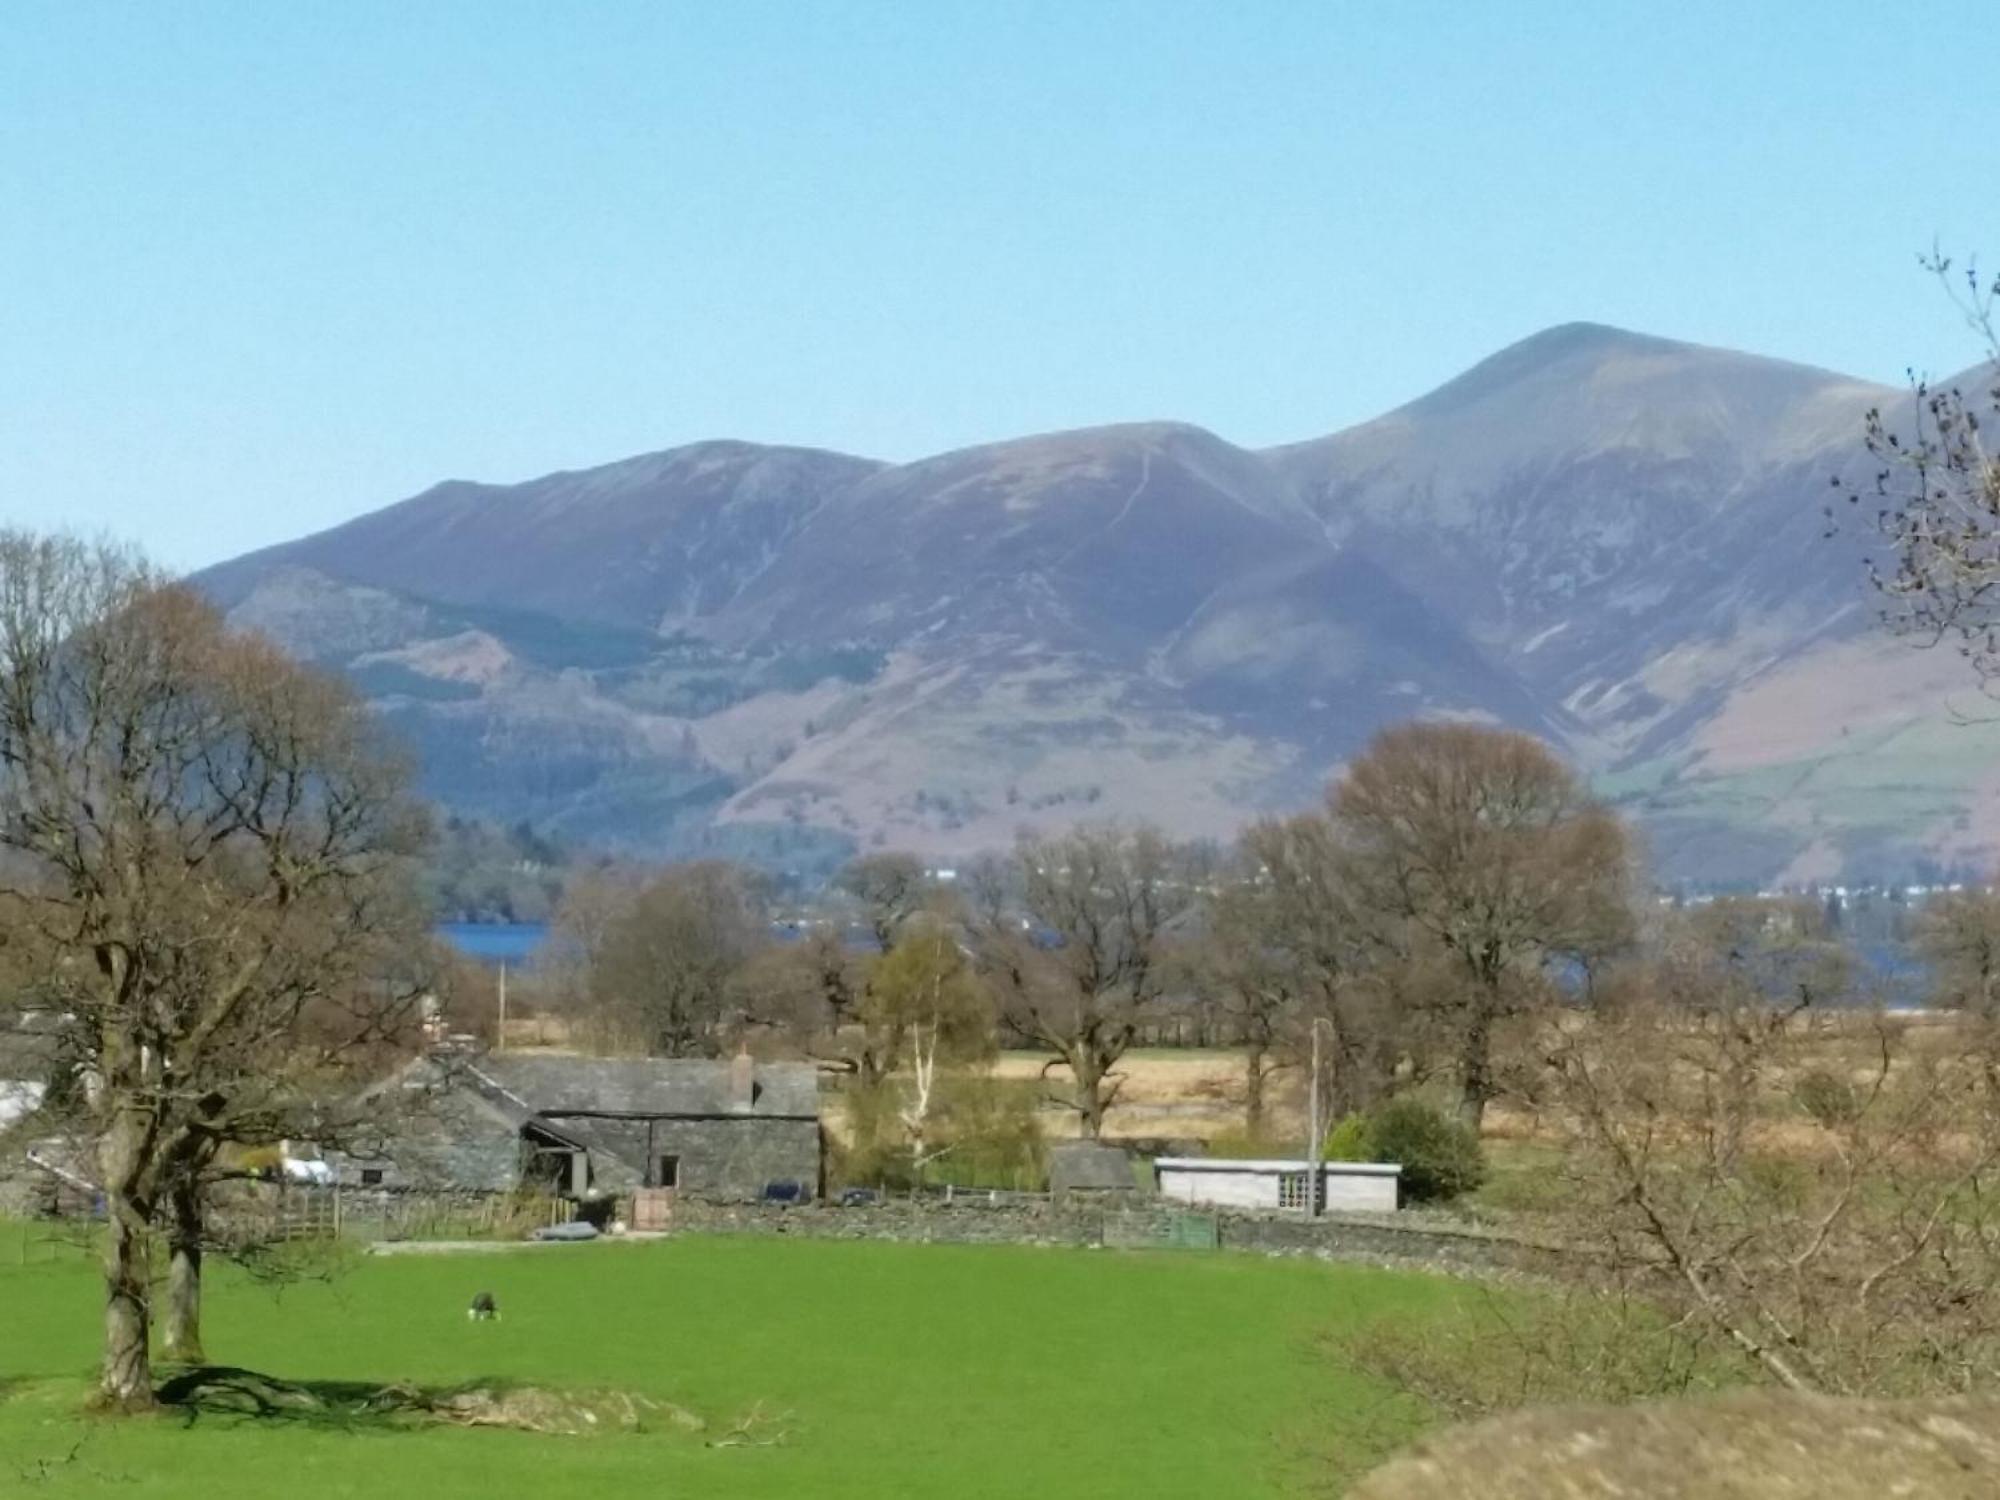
(641,468)
(1583,336)
(1576,354)
(1077,444)
(1566,352)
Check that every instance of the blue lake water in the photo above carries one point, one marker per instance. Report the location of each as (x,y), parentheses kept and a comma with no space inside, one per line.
(496,942)
(520,942)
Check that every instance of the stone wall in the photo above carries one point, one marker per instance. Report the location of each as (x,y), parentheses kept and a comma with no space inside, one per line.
(457,1143)
(1020,1219)
(1398,1238)
(735,1158)
(1011,1220)
(728,1157)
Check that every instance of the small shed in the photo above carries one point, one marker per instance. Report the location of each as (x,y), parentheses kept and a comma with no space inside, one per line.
(1278,1184)
(1094,1170)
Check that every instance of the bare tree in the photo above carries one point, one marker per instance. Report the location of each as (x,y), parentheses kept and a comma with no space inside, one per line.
(889,888)
(814,996)
(340,1002)
(195,826)
(1936,490)
(1778,947)
(1256,977)
(667,963)
(593,904)
(1958,935)
(1078,978)
(1357,981)
(1483,848)
(1812,1194)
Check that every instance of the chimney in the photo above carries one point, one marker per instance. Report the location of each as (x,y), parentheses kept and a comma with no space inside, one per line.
(742,1082)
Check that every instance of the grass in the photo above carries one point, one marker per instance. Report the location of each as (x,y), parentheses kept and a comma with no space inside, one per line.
(897,1370)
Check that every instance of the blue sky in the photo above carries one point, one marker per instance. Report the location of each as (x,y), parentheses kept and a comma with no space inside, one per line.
(263,267)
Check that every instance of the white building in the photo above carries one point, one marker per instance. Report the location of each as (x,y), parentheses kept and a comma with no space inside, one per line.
(1278,1184)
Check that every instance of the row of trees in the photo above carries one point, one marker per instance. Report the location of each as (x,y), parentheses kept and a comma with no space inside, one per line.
(1457,878)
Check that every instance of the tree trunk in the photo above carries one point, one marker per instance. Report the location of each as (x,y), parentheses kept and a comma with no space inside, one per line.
(1090,1105)
(1254,1074)
(125,1375)
(1475,1070)
(125,1382)
(181,1341)
(1358,1077)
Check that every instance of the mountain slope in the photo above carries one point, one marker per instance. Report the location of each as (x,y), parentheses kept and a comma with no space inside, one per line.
(641,543)
(1608,539)
(1624,521)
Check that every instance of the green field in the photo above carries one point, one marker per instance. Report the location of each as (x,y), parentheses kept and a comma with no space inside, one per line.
(896,1370)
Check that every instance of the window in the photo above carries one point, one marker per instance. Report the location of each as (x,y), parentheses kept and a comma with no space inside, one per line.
(1291,1190)
(667,1172)
(371,1176)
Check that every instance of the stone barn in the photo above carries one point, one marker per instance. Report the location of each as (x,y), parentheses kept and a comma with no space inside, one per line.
(722,1131)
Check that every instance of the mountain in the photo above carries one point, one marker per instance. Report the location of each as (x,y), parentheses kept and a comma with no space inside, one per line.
(639,544)
(1612,540)
(1594,505)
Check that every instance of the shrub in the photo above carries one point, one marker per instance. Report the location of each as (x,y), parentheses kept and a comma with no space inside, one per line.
(993,1131)
(1531,1348)
(1353,1139)
(1830,1100)
(985,1130)
(1440,1157)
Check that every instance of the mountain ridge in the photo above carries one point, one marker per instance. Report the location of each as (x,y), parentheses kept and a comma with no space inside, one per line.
(1608,538)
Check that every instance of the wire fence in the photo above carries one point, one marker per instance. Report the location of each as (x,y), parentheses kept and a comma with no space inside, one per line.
(277,1213)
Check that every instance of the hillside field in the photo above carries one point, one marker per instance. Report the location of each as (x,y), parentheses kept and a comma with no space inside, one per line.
(891,1369)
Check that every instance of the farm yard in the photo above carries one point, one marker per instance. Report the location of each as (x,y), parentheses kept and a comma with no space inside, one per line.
(861,1369)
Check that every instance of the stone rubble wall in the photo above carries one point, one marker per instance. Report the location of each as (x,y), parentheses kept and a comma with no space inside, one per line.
(1035,1221)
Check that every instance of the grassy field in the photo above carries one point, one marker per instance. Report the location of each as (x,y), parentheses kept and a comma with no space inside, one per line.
(897,1370)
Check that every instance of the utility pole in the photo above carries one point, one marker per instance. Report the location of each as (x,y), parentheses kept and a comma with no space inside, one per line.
(500,1036)
(1316,1135)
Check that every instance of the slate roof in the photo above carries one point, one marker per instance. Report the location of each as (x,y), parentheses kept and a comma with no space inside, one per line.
(523,1085)
(1090,1166)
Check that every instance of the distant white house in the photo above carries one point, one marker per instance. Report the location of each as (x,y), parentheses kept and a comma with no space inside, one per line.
(1277,1184)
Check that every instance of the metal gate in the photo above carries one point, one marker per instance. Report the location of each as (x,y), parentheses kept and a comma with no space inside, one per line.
(1161,1229)
(652,1209)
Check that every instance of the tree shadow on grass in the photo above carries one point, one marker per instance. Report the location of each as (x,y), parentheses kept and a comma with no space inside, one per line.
(227,1393)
